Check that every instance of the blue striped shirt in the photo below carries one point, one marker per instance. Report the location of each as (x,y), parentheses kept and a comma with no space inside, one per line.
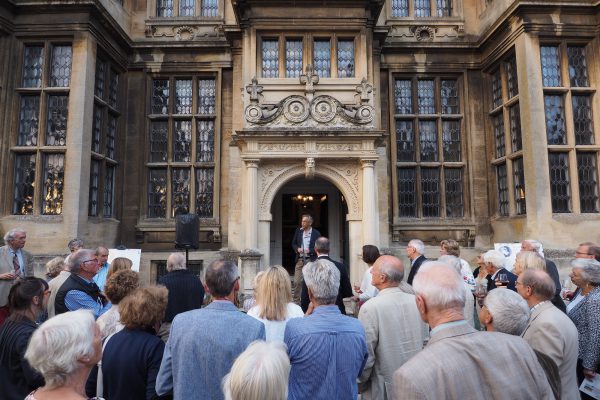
(77,300)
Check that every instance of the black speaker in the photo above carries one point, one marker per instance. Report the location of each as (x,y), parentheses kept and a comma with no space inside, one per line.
(187,231)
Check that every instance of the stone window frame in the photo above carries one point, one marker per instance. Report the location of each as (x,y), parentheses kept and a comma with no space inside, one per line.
(40,150)
(176,9)
(566,90)
(411,13)
(171,117)
(308,39)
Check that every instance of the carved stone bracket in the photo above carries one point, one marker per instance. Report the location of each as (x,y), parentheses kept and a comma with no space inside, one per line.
(309,79)
(364,89)
(254,89)
(310,168)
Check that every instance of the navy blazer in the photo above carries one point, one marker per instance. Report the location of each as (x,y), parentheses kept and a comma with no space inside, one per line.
(344,291)
(512,279)
(415,268)
(297,242)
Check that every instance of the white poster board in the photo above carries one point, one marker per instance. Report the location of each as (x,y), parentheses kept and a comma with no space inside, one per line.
(509,250)
(133,254)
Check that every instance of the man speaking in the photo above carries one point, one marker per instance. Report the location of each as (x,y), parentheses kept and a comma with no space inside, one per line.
(304,248)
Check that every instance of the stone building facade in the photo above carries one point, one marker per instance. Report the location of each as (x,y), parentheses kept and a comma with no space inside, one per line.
(476,120)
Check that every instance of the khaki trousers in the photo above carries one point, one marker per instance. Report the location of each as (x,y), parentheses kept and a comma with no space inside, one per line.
(298,281)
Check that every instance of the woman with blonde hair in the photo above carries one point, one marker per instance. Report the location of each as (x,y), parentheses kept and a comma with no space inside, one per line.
(532,260)
(119,264)
(274,305)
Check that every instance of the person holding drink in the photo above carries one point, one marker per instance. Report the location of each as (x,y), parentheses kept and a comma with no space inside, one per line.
(500,277)
(304,247)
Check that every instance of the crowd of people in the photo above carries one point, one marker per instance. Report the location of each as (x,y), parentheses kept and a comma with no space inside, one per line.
(433,330)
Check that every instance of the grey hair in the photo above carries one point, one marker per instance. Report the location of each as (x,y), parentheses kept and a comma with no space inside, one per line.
(176,262)
(440,290)
(220,277)
(310,218)
(590,269)
(387,267)
(10,235)
(540,282)
(75,243)
(260,372)
(452,261)
(537,245)
(418,245)
(56,347)
(494,257)
(509,311)
(322,245)
(78,257)
(323,278)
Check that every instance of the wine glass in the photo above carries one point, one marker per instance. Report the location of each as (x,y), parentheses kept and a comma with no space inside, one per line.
(502,280)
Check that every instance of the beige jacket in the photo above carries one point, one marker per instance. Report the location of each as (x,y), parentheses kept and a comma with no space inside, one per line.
(6,265)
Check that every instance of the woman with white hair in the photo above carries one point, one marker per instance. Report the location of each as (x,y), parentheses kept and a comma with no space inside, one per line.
(64,349)
(525,260)
(469,309)
(259,373)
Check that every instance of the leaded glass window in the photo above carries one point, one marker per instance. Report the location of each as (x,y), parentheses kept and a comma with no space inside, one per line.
(449,96)
(97,128)
(578,73)
(496,89)
(24,195)
(587,173)
(556,130)
(582,119)
(345,58)
(428,140)
(94,186)
(422,8)
(403,96)
(514,116)
(454,192)
(182,141)
(425,96)
(430,191)
(187,8)
(33,66)
(407,202)
(293,58)
(206,97)
(559,182)
(100,78)
(270,58)
(451,140)
(205,143)
(209,8)
(405,140)
(205,178)
(160,96)
(60,71)
(58,108)
(109,188)
(53,183)
(180,193)
(28,120)
(158,141)
(498,121)
(164,8)
(157,193)
(519,186)
(502,187)
(183,96)
(444,8)
(322,57)
(399,8)
(511,77)
(550,66)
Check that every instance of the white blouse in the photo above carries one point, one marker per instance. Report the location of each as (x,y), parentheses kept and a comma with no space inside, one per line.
(274,330)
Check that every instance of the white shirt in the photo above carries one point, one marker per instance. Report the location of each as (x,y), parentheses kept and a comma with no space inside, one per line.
(274,330)
(306,240)
(366,286)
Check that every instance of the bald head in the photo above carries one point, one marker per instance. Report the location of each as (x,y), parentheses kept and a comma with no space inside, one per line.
(391,267)
(536,283)
(440,286)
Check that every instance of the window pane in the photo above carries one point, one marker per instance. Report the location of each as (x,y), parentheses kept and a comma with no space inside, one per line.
(399,8)
(204,192)
(100,78)
(577,66)
(559,182)
(498,122)
(157,193)
(28,121)
(582,119)
(519,185)
(454,192)
(422,8)
(430,191)
(54,179)
(555,119)
(270,58)
(444,8)
(407,201)
(515,127)
(182,141)
(180,193)
(210,8)
(322,58)
(97,128)
(403,95)
(60,72)
(206,96)
(109,185)
(158,141)
(496,89)
(550,66)
(511,77)
(94,184)
(187,8)
(160,96)
(24,184)
(588,182)
(451,140)
(426,96)
(501,181)
(183,96)
(113,92)
(293,58)
(205,141)
(56,130)
(345,58)
(32,66)
(405,140)
(111,136)
(164,8)
(449,95)
(428,140)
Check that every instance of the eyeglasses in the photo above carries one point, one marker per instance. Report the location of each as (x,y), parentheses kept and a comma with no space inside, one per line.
(582,253)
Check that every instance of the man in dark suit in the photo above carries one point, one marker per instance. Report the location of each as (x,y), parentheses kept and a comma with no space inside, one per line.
(304,248)
(415,250)
(345,290)
(494,265)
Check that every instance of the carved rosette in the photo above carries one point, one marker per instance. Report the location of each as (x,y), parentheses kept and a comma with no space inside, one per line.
(253,113)
(424,33)
(296,108)
(184,33)
(323,109)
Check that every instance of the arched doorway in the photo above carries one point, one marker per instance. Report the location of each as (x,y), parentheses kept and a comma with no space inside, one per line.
(324,202)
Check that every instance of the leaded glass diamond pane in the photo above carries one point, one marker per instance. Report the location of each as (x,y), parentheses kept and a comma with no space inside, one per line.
(426,96)
(97,128)
(100,78)
(577,66)
(514,116)
(157,193)
(582,119)
(430,192)
(293,58)
(158,141)
(403,96)
(270,58)
(187,8)
(205,141)
(451,140)
(109,185)
(113,89)
(454,192)
(407,201)
(345,58)
(560,191)
(182,141)
(164,8)
(180,192)
(555,119)
(502,183)
(206,97)
(53,184)
(550,66)
(511,77)
(56,129)
(496,89)
(588,182)
(519,186)
(111,135)
(60,71)
(24,184)
(204,192)
(183,96)
(444,8)
(94,185)
(322,58)
(28,121)
(449,95)
(498,123)
(160,96)
(405,140)
(428,140)
(399,8)
(32,66)
(422,8)
(210,8)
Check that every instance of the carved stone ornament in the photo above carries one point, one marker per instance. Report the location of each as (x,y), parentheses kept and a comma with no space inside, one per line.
(184,33)
(364,89)
(309,79)
(424,33)
(254,90)
(296,108)
(310,168)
